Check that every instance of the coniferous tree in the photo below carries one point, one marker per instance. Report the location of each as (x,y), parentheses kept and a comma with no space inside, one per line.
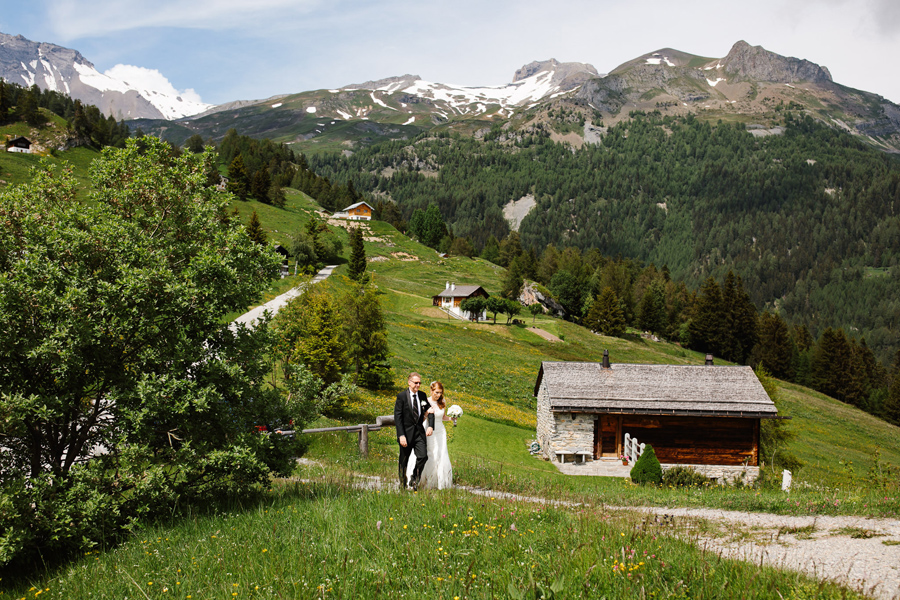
(652,310)
(238,178)
(512,281)
(260,184)
(707,328)
(255,230)
(4,102)
(356,269)
(491,250)
(774,350)
(606,316)
(891,407)
(367,337)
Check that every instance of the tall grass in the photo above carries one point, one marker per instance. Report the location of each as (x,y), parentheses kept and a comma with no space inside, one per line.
(332,539)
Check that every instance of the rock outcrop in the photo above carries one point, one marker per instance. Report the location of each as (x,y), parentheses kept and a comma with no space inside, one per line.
(754,63)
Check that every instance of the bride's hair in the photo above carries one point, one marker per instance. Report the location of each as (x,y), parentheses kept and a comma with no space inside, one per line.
(440,386)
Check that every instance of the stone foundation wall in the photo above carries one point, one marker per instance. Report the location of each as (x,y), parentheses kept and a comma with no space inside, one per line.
(723,473)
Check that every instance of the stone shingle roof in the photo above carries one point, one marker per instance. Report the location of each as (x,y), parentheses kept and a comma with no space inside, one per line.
(655,389)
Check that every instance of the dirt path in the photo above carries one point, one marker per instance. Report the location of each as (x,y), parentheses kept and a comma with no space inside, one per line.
(544,334)
(250,317)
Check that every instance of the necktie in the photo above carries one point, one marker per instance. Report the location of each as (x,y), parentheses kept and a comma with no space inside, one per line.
(413,403)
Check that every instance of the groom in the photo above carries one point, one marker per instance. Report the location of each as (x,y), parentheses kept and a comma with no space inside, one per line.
(411,405)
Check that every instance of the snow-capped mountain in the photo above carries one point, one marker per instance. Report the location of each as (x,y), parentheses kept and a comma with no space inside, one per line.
(532,83)
(123,92)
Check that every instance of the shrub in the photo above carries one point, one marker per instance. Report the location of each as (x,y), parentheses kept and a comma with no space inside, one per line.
(683,477)
(647,468)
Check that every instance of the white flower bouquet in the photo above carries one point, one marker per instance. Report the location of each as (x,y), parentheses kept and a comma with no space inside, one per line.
(454,412)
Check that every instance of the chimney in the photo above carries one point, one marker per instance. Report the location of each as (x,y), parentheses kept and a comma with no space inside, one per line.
(446,285)
(606,359)
(452,286)
(709,361)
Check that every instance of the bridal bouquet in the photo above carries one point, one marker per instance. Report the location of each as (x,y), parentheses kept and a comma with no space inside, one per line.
(454,411)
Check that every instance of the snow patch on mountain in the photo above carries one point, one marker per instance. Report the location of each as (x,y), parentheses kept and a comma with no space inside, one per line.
(531,84)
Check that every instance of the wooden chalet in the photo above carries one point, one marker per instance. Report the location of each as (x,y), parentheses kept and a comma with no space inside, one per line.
(452,296)
(361,211)
(19,144)
(703,416)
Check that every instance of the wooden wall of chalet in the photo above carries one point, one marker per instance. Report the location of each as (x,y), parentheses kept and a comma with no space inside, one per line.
(697,440)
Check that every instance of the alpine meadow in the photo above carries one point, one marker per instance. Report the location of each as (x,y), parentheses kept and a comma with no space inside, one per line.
(156,441)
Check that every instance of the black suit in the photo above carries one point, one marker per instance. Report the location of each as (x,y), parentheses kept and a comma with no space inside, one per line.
(409,424)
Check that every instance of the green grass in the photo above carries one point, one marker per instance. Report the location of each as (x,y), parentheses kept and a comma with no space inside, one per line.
(330,539)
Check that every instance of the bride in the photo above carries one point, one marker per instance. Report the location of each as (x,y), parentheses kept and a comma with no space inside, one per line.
(438,472)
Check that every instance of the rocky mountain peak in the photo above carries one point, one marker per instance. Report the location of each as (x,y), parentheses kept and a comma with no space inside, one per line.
(392,83)
(756,63)
(565,75)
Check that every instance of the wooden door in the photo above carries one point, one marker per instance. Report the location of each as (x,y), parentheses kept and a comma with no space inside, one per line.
(605,434)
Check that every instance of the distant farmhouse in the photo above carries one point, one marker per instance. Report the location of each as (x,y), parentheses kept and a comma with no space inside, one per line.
(705,417)
(19,144)
(452,296)
(361,211)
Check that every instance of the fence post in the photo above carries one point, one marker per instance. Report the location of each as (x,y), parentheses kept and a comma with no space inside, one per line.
(364,440)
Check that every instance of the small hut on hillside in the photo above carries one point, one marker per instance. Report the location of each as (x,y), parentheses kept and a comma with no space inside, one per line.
(702,416)
(361,211)
(452,296)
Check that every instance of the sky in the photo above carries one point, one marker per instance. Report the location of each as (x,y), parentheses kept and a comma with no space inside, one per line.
(225,50)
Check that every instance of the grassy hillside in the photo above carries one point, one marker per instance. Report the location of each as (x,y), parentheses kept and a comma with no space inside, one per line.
(490,370)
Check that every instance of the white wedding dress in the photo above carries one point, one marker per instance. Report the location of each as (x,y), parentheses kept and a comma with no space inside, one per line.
(438,472)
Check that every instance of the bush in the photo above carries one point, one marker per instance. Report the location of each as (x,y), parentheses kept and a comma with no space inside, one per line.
(647,468)
(684,477)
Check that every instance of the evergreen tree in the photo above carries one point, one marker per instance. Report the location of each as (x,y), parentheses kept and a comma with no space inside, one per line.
(512,281)
(367,337)
(774,350)
(238,178)
(194,143)
(707,328)
(4,102)
(357,267)
(569,291)
(891,407)
(606,316)
(260,184)
(491,250)
(255,230)
(652,310)
(510,249)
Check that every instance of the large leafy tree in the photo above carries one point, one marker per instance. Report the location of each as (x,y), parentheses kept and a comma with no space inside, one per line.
(310,331)
(121,391)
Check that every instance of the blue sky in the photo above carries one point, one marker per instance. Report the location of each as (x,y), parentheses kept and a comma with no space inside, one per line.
(227,50)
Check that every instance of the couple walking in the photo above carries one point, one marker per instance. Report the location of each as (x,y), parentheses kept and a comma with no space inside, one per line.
(420,430)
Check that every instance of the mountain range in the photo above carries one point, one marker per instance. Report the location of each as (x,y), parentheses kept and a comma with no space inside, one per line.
(65,70)
(749,84)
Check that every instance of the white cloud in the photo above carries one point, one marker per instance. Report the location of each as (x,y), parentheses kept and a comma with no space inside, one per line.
(150,79)
(73,19)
